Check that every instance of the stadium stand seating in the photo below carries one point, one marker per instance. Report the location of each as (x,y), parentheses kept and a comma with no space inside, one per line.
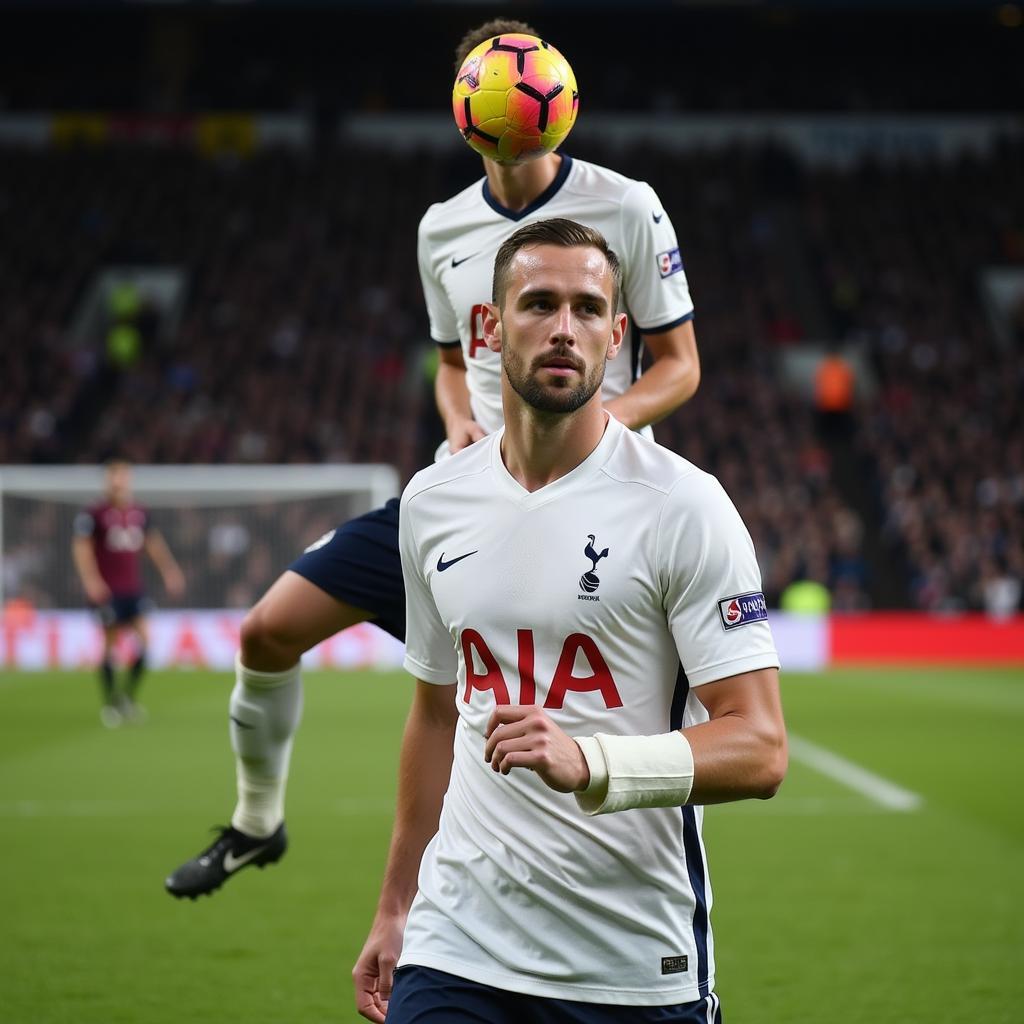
(303,337)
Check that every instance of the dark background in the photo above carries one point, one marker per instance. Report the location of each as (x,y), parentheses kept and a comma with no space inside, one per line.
(642,56)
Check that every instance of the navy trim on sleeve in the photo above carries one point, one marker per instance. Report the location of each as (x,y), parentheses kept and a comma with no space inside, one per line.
(666,327)
(545,196)
(448,344)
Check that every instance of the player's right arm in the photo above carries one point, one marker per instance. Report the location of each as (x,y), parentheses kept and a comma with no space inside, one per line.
(424,770)
(84,557)
(452,394)
(450,389)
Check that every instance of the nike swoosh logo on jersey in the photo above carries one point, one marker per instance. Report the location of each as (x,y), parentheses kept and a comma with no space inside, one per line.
(657,216)
(458,263)
(442,564)
(240,723)
(233,863)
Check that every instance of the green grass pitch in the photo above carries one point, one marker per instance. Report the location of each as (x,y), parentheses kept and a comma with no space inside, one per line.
(829,908)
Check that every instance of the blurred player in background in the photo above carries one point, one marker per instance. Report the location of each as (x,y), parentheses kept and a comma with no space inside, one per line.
(517,902)
(354,573)
(108,542)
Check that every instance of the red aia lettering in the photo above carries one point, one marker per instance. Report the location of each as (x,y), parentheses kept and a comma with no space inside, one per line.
(492,679)
(527,684)
(476,330)
(599,679)
(565,681)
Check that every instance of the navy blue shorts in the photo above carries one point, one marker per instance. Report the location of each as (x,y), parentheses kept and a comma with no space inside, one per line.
(422,995)
(122,609)
(359,563)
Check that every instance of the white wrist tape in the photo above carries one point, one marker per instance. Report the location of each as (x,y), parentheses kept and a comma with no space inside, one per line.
(635,771)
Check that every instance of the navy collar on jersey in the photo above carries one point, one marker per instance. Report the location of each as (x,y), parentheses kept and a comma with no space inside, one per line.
(548,193)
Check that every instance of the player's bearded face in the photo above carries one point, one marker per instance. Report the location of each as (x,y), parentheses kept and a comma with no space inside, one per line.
(534,385)
(557,326)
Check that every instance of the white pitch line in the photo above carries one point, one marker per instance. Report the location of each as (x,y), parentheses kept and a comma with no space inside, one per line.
(69,808)
(881,791)
(801,807)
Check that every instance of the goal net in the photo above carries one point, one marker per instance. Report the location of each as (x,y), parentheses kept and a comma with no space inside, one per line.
(233,529)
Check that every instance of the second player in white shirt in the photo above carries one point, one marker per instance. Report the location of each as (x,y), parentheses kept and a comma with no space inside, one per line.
(459,237)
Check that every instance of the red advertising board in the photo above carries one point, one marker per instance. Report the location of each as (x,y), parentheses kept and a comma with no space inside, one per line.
(895,638)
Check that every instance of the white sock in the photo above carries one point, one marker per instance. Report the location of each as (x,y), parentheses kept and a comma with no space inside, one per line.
(265,710)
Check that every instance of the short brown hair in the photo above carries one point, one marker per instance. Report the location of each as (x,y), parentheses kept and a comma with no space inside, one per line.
(488,30)
(555,231)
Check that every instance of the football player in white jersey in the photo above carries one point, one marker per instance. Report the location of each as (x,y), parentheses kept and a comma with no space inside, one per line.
(354,573)
(457,242)
(612,670)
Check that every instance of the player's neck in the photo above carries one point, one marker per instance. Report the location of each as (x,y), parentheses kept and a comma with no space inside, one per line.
(538,448)
(515,187)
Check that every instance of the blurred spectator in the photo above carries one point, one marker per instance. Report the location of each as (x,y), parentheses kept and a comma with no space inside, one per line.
(834,386)
(1000,590)
(806,597)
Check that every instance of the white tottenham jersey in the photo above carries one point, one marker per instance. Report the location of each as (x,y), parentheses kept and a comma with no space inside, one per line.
(459,238)
(607,597)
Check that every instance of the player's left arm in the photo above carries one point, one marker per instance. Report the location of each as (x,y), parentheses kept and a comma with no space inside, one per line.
(740,753)
(716,614)
(670,381)
(167,566)
(657,295)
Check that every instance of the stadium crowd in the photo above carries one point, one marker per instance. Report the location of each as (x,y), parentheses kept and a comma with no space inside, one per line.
(945,433)
(295,334)
(301,337)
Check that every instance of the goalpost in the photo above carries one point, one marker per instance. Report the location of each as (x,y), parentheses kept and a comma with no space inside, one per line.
(233,529)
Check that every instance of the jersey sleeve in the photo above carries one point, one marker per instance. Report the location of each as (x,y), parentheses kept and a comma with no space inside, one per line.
(712,584)
(444,326)
(654,282)
(85,523)
(429,649)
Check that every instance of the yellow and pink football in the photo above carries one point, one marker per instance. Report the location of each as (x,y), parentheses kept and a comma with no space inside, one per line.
(515,98)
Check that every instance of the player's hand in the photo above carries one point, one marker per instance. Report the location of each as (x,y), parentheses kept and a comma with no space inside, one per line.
(523,736)
(463,433)
(98,592)
(374,971)
(174,583)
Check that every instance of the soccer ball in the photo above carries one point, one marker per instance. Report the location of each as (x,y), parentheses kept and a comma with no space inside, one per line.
(515,98)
